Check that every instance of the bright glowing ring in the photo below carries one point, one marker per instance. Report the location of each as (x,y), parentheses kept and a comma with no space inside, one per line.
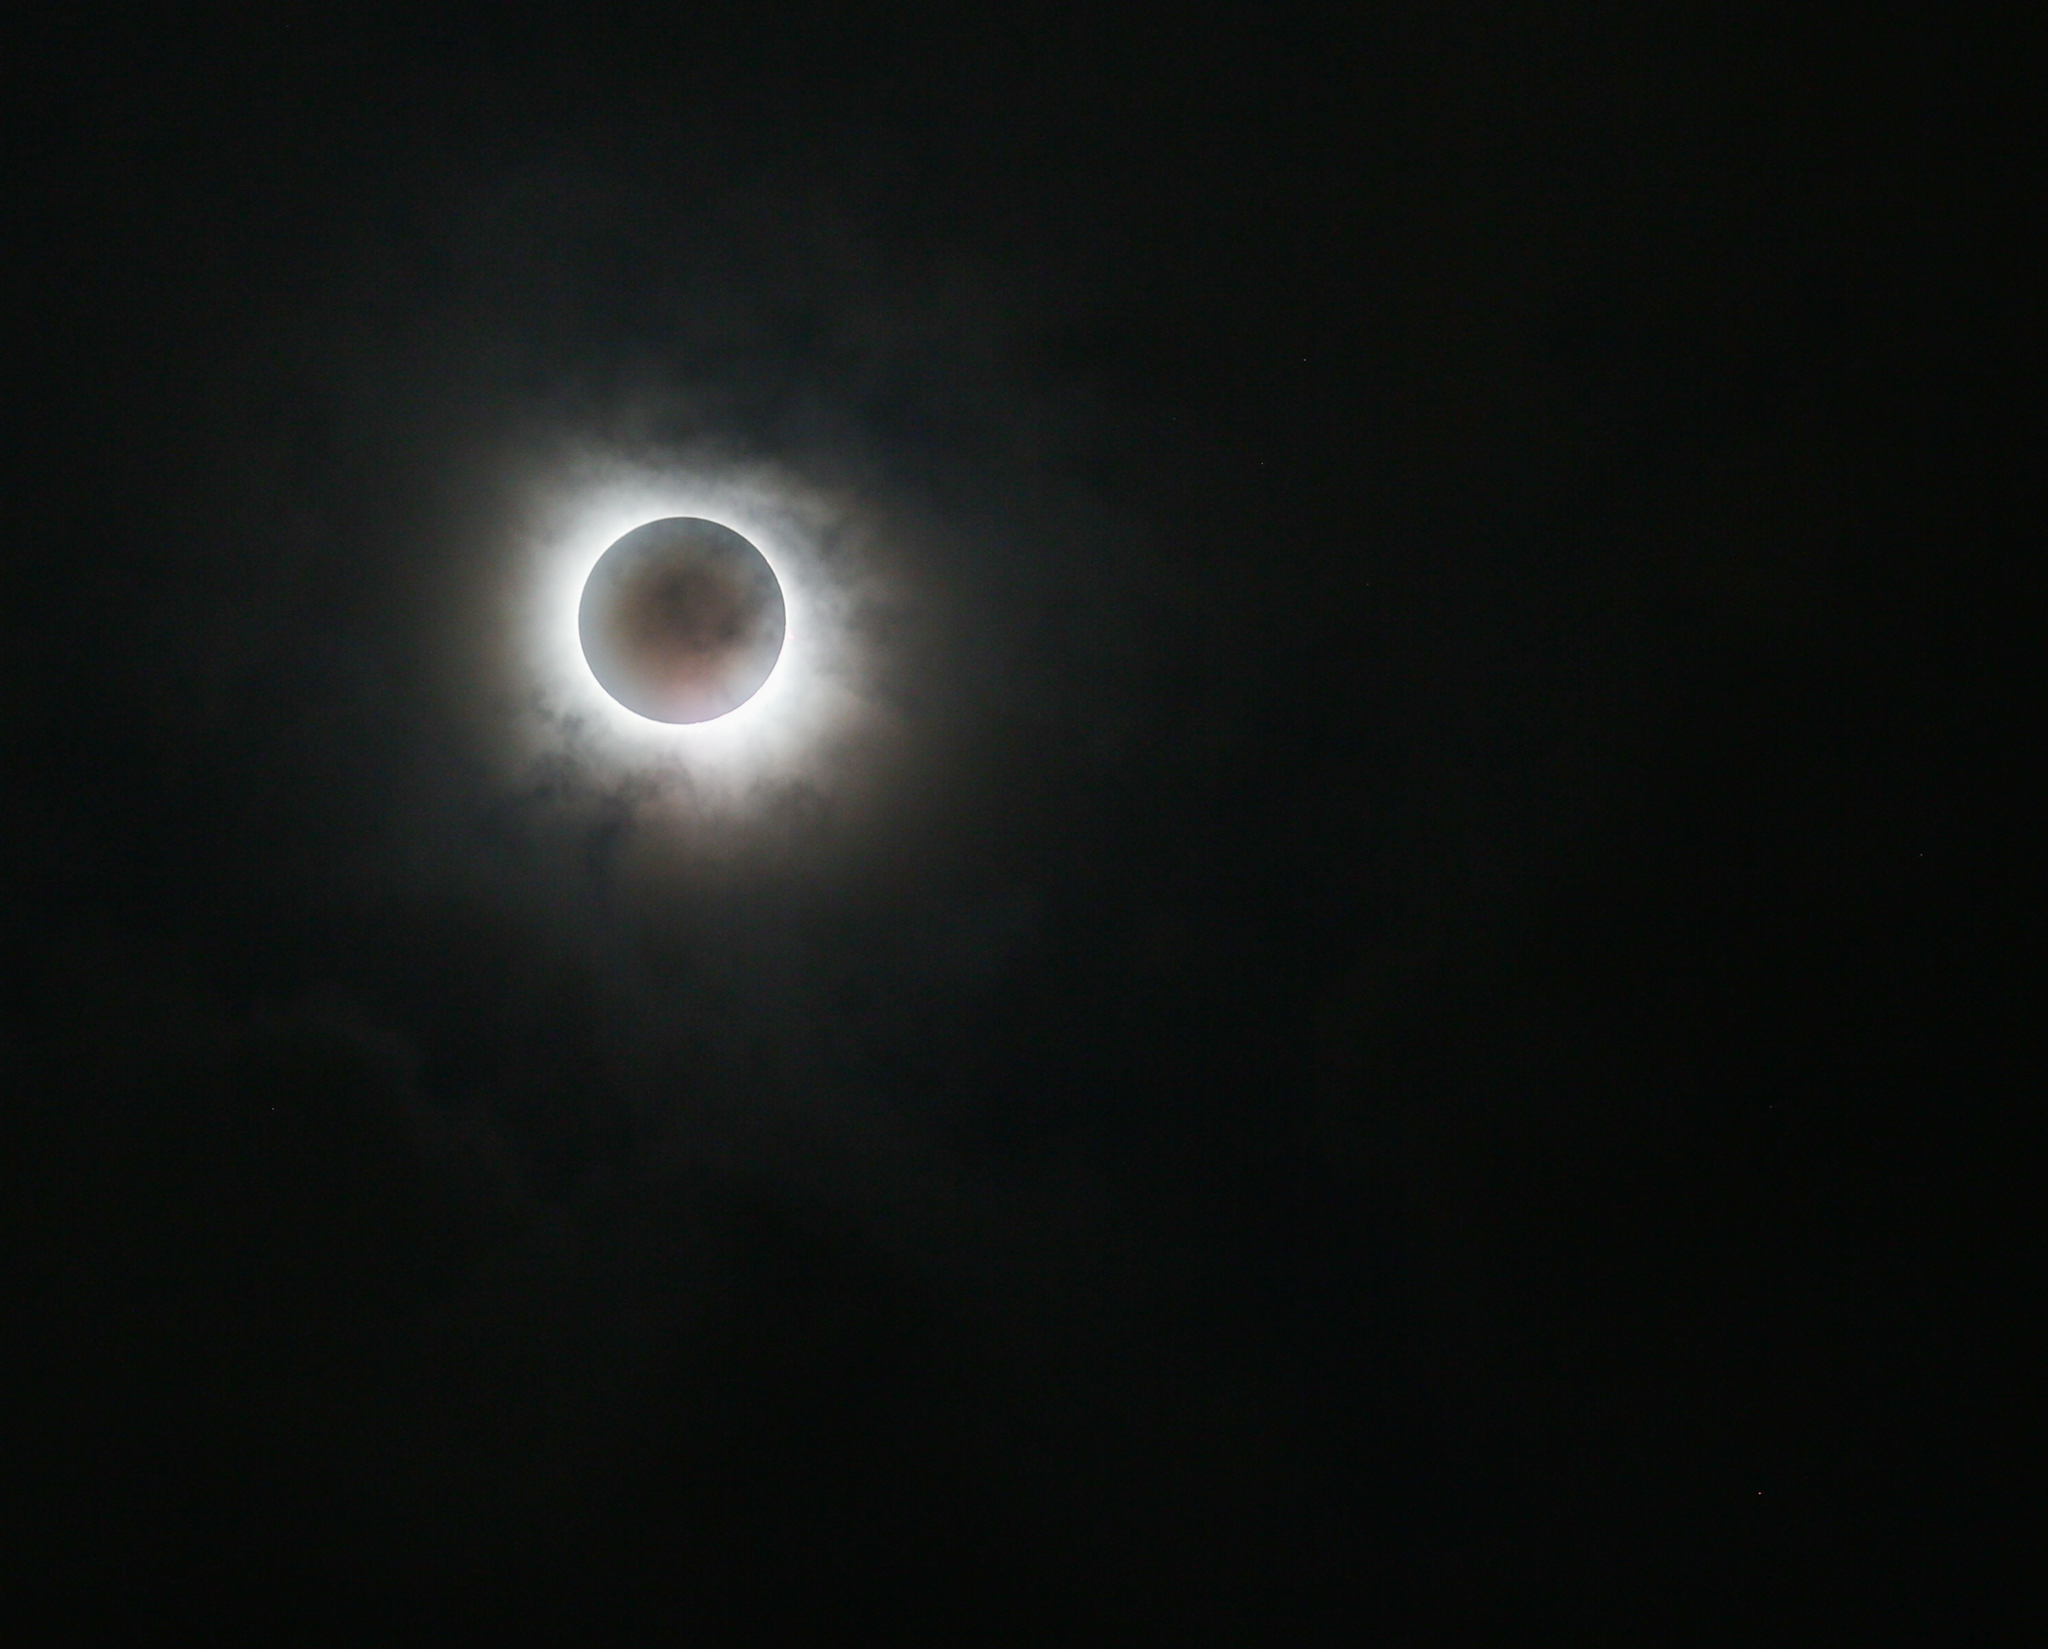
(807,694)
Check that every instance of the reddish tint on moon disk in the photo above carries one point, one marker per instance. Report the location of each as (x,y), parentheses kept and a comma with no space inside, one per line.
(681,620)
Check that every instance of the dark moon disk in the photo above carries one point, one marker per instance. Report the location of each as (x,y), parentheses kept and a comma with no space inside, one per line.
(681,620)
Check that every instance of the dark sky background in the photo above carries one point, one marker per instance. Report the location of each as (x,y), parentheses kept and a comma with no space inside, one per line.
(1411,1015)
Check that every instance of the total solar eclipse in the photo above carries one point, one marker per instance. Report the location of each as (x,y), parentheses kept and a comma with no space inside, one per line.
(681,620)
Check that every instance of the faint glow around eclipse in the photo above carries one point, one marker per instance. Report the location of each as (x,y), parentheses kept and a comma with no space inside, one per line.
(803,693)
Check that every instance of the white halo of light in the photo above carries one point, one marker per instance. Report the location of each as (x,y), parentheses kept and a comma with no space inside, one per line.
(808,696)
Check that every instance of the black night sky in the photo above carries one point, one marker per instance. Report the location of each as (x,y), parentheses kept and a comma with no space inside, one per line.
(1381,987)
